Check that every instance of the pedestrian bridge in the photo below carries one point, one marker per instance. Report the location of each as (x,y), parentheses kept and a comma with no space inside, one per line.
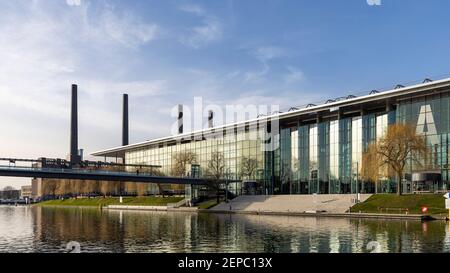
(84,174)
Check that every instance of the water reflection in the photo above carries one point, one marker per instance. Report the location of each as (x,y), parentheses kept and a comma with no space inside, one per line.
(36,229)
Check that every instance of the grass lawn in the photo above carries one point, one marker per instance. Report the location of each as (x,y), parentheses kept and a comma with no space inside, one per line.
(414,203)
(207,204)
(137,201)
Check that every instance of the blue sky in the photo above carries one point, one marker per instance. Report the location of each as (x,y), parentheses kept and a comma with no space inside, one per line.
(162,53)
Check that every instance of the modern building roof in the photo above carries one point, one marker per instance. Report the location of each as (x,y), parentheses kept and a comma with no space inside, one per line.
(330,105)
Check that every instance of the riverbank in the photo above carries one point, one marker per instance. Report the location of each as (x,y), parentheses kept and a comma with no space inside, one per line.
(403,204)
(378,216)
(383,206)
(106,201)
(47,229)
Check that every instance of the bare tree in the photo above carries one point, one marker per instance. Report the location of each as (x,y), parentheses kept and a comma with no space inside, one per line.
(215,172)
(180,162)
(64,186)
(130,187)
(248,167)
(156,171)
(285,174)
(104,188)
(94,186)
(51,186)
(400,144)
(141,189)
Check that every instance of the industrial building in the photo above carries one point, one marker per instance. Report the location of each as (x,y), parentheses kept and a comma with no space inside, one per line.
(48,188)
(315,148)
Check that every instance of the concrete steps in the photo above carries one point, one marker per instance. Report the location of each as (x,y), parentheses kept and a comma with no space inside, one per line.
(331,203)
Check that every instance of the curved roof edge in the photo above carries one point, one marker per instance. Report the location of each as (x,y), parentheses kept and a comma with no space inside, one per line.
(119,151)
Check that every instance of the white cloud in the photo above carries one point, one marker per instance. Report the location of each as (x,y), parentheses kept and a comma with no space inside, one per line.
(192,8)
(267,53)
(258,75)
(264,55)
(136,89)
(294,75)
(210,31)
(43,52)
(73,2)
(126,29)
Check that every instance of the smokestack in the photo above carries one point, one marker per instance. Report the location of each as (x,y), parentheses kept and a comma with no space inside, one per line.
(210,119)
(180,118)
(125,121)
(74,127)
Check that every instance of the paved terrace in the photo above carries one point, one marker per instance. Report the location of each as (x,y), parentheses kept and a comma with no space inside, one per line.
(331,203)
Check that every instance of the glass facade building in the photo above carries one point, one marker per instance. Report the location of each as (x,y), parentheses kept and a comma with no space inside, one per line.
(316,149)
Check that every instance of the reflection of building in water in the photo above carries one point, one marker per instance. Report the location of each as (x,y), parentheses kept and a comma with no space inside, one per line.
(57,226)
(144,231)
(301,234)
(117,231)
(187,230)
(310,234)
(16,233)
(334,241)
(447,238)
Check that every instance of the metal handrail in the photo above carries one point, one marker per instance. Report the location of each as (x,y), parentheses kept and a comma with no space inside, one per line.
(406,210)
(75,171)
(86,171)
(177,204)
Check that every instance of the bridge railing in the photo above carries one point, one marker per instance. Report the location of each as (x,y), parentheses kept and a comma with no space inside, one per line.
(38,171)
(75,171)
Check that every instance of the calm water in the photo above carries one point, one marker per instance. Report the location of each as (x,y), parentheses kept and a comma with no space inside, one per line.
(35,229)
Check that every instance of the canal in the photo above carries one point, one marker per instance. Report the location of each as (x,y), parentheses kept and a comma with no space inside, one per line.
(45,229)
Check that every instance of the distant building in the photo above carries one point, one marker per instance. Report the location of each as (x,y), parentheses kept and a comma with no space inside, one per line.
(48,188)
(36,188)
(26,192)
(9,194)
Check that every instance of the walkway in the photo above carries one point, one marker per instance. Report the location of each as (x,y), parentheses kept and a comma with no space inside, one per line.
(330,203)
(100,175)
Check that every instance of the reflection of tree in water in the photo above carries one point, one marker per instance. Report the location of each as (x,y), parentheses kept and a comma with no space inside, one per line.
(405,236)
(153,231)
(133,231)
(55,226)
(310,234)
